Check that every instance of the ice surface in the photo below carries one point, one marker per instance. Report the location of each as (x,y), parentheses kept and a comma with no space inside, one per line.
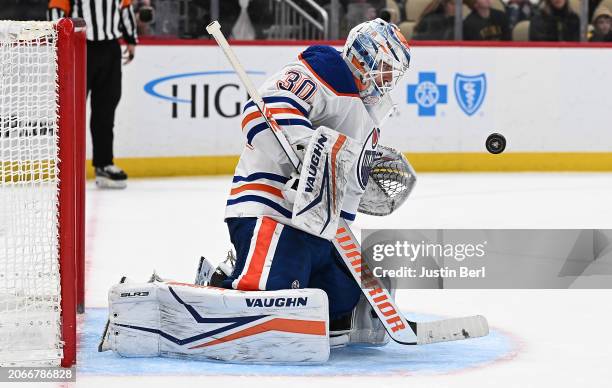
(540,338)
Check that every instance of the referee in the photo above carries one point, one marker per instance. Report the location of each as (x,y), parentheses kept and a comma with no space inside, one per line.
(107,21)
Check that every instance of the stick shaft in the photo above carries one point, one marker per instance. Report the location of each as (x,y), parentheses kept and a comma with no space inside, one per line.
(215,30)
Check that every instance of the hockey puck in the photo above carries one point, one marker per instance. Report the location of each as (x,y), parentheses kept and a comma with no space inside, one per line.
(496,143)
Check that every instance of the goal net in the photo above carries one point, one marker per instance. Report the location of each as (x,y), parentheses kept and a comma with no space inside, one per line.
(39,182)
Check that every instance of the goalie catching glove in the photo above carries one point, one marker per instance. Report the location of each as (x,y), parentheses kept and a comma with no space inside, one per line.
(323,180)
(390,182)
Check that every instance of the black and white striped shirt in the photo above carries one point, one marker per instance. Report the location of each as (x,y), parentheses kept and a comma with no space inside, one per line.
(106,19)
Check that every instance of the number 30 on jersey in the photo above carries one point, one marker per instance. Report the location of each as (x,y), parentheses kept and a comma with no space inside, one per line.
(298,84)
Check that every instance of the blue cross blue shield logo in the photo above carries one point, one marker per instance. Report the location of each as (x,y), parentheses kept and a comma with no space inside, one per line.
(427,94)
(470,91)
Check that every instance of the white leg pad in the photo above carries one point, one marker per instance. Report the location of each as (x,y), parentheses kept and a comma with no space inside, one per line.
(196,322)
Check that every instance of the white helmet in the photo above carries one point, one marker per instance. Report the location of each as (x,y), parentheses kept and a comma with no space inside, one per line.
(378,55)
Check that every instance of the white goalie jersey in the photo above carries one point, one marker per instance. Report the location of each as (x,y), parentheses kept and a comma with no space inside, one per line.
(316,90)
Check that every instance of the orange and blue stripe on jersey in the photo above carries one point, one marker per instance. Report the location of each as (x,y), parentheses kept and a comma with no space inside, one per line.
(254,274)
(262,188)
(289,112)
(266,189)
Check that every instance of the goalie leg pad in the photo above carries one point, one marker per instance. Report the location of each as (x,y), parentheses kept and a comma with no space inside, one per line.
(183,320)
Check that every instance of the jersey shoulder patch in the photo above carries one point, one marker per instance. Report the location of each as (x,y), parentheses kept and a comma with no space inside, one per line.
(327,65)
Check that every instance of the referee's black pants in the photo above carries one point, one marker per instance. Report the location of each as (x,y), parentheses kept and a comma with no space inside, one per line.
(104,83)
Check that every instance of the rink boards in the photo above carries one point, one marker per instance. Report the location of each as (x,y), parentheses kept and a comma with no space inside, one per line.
(181,105)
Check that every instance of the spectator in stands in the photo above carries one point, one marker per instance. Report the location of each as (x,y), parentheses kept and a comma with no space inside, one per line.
(243,28)
(518,10)
(391,12)
(359,11)
(485,23)
(145,15)
(23,10)
(602,22)
(437,22)
(259,13)
(555,21)
(593,4)
(376,4)
(385,14)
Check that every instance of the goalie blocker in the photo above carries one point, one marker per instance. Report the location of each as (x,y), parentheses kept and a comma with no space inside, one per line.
(329,160)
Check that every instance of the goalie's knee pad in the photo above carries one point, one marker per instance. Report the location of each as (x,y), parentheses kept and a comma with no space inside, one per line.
(184,320)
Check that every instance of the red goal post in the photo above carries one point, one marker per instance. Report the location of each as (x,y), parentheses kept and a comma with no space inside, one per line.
(72,95)
(42,190)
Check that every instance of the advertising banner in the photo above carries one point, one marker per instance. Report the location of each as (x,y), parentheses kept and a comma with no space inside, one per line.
(186,101)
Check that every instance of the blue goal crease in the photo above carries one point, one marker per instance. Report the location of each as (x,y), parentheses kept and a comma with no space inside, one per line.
(440,358)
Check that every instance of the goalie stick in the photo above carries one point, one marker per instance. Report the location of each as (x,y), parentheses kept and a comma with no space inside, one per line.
(397,326)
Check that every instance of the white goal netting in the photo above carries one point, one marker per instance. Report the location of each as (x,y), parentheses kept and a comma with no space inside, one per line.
(30,329)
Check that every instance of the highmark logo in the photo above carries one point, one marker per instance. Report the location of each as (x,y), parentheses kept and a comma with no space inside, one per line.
(217,93)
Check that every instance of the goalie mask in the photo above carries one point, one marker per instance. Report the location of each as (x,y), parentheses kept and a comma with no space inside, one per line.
(378,55)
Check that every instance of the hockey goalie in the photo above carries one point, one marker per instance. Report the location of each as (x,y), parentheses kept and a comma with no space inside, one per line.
(286,296)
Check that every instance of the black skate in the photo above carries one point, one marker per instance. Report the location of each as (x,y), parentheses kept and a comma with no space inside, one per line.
(111,177)
(208,275)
